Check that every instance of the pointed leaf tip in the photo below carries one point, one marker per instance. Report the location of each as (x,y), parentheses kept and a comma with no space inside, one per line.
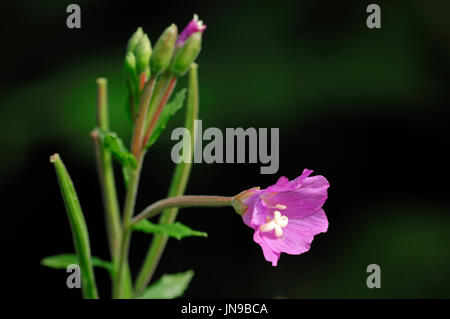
(176,230)
(169,286)
(169,110)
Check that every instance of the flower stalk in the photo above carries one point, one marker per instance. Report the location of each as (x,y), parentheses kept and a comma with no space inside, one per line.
(182,202)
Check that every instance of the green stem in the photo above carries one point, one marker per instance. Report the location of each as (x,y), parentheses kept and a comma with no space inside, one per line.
(140,122)
(133,184)
(157,113)
(107,183)
(130,200)
(160,86)
(78,226)
(180,202)
(177,188)
(106,172)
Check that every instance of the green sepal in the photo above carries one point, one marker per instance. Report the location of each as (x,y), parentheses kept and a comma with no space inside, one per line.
(142,52)
(163,50)
(186,55)
(239,201)
(134,39)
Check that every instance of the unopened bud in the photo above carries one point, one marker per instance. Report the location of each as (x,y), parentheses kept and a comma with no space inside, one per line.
(162,53)
(130,63)
(134,40)
(143,51)
(194,26)
(186,54)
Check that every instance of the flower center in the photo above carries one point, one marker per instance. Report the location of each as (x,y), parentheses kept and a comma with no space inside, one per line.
(277,224)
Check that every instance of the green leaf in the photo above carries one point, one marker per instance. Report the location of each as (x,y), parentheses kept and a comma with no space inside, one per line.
(126,172)
(63,260)
(115,145)
(168,286)
(176,230)
(169,110)
(78,226)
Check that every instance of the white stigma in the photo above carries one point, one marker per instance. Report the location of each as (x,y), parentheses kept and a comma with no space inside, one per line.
(277,224)
(199,22)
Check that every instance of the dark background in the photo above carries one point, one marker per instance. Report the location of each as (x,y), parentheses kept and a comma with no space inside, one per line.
(368,109)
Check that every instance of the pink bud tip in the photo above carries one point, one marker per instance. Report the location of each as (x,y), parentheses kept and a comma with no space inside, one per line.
(195,25)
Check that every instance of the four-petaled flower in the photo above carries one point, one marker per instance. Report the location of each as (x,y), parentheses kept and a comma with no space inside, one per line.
(195,25)
(285,216)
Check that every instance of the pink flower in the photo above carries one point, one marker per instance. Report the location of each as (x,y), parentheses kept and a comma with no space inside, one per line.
(195,25)
(285,216)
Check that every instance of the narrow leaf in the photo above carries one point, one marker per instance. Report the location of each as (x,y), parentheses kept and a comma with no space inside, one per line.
(126,172)
(115,145)
(168,286)
(169,110)
(63,260)
(176,230)
(78,227)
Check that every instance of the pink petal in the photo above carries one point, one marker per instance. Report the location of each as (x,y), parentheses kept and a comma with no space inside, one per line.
(306,199)
(298,234)
(306,172)
(192,27)
(251,202)
(269,254)
(260,212)
(280,185)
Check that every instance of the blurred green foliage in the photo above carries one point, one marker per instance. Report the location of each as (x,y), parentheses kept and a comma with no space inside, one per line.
(274,70)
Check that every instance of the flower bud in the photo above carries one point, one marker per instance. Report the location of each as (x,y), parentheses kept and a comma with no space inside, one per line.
(130,63)
(134,40)
(186,54)
(142,52)
(194,26)
(162,53)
